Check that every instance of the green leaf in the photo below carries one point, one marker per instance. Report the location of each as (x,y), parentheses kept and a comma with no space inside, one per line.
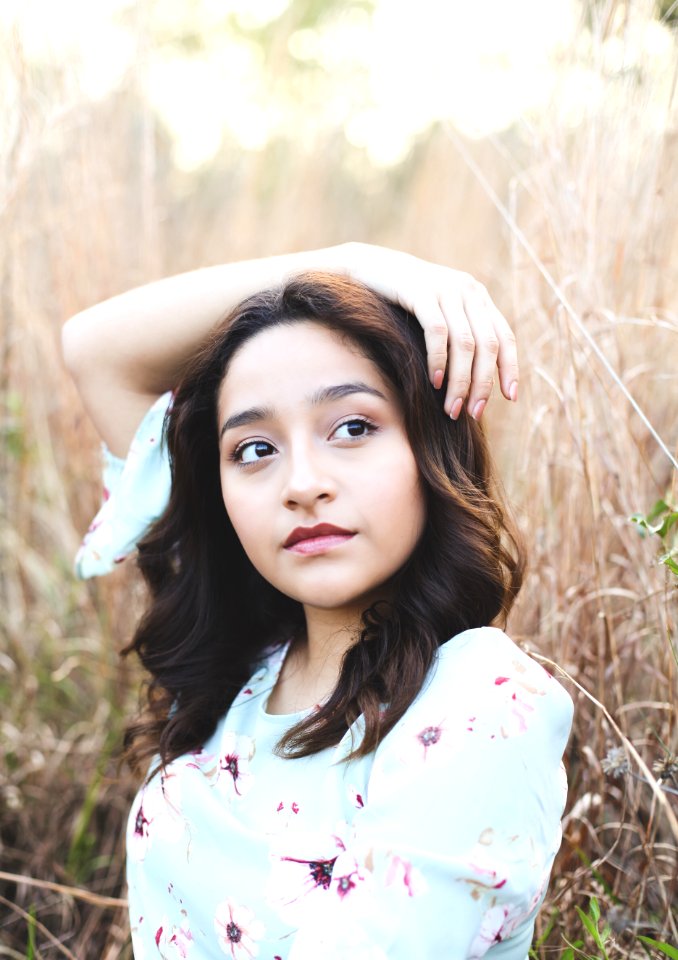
(594,910)
(670,560)
(659,520)
(588,923)
(665,948)
(669,521)
(661,506)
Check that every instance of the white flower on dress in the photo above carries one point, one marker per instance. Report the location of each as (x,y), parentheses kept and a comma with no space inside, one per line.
(234,761)
(427,741)
(483,861)
(139,835)
(173,942)
(309,867)
(237,930)
(156,813)
(497,924)
(401,874)
(229,768)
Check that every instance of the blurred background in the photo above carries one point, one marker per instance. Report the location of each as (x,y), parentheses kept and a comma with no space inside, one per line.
(533,143)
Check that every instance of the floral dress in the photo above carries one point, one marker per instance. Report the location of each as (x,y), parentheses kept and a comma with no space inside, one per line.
(437,846)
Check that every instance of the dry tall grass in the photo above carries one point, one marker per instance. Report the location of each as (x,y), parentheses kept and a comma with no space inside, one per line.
(91,205)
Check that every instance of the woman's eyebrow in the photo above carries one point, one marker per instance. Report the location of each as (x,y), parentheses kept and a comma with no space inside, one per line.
(324,395)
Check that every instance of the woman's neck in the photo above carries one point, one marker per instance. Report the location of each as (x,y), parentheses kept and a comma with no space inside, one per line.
(313,662)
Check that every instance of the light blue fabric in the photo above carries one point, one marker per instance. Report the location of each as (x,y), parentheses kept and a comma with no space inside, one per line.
(135,493)
(437,845)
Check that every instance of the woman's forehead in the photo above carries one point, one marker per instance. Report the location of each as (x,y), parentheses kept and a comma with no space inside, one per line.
(298,362)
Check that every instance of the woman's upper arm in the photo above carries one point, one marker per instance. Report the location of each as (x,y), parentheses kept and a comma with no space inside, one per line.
(115,408)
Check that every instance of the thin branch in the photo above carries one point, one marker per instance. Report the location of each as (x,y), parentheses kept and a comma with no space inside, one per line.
(76,892)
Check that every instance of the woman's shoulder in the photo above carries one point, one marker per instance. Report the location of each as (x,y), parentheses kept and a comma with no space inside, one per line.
(483,683)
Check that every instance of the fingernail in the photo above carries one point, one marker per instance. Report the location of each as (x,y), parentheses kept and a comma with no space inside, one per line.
(513,391)
(438,379)
(478,409)
(456,408)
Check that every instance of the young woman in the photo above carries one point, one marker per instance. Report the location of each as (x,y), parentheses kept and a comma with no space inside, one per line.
(347,758)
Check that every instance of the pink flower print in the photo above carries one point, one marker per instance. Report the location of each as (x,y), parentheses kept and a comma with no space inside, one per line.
(343,885)
(426,740)
(287,814)
(237,930)
(483,863)
(234,760)
(318,872)
(520,711)
(348,876)
(139,836)
(401,874)
(428,736)
(519,693)
(231,767)
(303,869)
(496,925)
(157,813)
(206,763)
(173,942)
(356,798)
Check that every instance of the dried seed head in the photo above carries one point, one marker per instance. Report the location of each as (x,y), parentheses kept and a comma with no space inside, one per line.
(616,762)
(666,768)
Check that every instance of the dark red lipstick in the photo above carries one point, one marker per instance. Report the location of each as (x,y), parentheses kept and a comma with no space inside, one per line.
(318,539)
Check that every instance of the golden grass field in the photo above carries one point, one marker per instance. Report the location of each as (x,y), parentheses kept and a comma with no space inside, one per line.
(92,205)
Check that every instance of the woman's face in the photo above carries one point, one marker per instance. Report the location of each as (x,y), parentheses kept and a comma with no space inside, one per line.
(317,474)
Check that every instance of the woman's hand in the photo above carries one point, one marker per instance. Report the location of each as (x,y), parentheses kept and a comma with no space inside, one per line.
(465,333)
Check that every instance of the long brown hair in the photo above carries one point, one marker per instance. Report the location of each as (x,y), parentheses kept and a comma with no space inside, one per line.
(211,616)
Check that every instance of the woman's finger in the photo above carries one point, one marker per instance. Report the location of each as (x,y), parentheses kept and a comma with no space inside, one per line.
(428,312)
(495,346)
(480,321)
(509,372)
(462,349)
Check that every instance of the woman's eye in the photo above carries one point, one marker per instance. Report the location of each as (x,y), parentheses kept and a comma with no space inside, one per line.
(353,429)
(252,451)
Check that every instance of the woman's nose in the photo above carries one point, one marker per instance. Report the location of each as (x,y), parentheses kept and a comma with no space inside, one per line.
(307,479)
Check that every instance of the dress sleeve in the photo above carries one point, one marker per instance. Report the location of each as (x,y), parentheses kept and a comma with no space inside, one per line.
(451,855)
(135,493)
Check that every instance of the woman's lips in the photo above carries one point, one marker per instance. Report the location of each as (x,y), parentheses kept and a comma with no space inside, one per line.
(308,541)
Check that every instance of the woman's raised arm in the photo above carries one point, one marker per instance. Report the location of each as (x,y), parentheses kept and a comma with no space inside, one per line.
(126,351)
